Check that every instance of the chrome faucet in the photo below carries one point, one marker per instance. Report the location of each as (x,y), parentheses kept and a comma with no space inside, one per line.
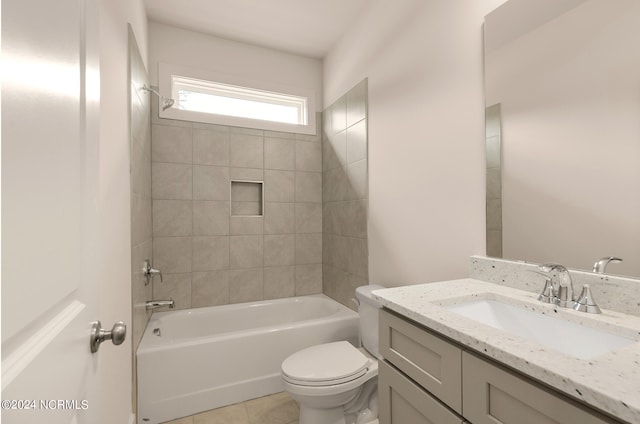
(561,283)
(155,304)
(600,266)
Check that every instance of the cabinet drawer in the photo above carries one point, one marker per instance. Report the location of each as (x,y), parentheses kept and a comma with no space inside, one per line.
(432,362)
(493,395)
(404,402)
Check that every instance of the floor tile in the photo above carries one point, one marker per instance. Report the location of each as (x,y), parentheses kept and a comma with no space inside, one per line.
(275,409)
(234,414)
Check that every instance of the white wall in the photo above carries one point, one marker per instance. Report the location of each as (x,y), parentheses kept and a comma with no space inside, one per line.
(208,53)
(423,59)
(115,273)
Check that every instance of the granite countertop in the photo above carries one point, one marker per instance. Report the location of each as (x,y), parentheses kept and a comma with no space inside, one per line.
(609,382)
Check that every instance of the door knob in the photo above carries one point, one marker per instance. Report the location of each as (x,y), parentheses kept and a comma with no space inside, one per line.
(99,334)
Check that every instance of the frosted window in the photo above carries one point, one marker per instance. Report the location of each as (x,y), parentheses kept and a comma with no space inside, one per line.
(229,100)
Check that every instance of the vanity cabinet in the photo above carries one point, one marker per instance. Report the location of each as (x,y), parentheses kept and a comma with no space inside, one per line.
(428,379)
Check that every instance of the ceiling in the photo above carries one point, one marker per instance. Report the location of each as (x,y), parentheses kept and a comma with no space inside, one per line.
(304,27)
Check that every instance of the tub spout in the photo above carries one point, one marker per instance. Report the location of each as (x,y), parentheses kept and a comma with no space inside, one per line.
(154,304)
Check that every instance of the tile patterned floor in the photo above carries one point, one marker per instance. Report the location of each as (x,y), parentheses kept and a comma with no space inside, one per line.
(274,409)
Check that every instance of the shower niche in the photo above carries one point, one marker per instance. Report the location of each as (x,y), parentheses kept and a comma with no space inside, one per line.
(247,198)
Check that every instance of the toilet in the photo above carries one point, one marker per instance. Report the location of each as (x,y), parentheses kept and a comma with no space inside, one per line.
(337,383)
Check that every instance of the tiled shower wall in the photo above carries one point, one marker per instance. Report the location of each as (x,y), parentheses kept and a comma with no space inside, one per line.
(345,196)
(140,162)
(209,257)
(494,181)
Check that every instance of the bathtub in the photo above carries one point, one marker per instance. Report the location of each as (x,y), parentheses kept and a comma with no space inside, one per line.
(194,360)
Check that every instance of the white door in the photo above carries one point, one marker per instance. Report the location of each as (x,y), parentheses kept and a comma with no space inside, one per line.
(50,110)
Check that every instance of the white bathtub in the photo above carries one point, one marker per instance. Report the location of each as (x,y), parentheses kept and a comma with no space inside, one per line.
(210,357)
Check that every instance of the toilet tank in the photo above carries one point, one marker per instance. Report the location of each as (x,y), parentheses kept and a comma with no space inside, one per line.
(368,308)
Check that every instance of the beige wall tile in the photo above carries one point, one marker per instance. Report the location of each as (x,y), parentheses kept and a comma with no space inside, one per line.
(334,187)
(308,217)
(141,228)
(210,218)
(172,218)
(279,218)
(171,144)
(211,183)
(210,253)
(494,183)
(308,156)
(339,115)
(279,282)
(246,252)
(246,150)
(245,285)
(247,225)
(279,154)
(172,255)
(279,186)
(279,250)
(247,174)
(173,286)
(493,153)
(494,214)
(246,209)
(334,251)
(210,288)
(334,217)
(356,218)
(357,177)
(308,249)
(171,181)
(308,279)
(211,146)
(338,144)
(308,187)
(357,252)
(357,142)
(279,134)
(494,243)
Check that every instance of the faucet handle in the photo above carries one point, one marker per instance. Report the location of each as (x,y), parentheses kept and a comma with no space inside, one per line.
(585,302)
(548,294)
(149,272)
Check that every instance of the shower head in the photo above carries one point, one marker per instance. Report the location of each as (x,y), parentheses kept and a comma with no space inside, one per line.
(165,101)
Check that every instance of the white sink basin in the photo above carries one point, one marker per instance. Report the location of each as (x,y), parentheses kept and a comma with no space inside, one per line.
(563,336)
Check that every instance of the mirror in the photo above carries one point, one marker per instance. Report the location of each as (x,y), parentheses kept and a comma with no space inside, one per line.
(562,80)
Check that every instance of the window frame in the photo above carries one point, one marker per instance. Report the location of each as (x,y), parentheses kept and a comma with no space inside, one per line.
(166,73)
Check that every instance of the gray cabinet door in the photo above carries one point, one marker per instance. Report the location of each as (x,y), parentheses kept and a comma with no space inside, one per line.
(431,361)
(492,395)
(401,401)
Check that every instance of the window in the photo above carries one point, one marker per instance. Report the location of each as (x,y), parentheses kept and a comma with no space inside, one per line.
(234,100)
(243,102)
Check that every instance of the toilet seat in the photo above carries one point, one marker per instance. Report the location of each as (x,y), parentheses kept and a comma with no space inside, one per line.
(325,365)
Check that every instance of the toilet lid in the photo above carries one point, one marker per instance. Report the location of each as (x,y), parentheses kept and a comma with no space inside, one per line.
(325,364)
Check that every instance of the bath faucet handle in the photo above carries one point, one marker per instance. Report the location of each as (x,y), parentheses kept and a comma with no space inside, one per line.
(585,302)
(548,294)
(149,272)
